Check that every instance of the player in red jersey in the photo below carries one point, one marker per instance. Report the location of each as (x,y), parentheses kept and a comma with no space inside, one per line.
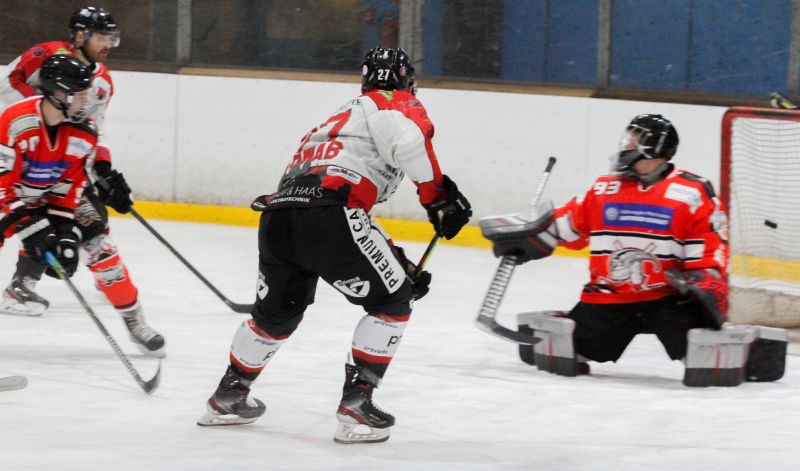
(44,143)
(318,225)
(658,248)
(93,33)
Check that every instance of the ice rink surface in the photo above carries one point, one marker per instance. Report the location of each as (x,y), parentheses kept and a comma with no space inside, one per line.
(462,398)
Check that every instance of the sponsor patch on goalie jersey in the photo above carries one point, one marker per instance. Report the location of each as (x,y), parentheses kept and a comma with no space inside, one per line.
(643,216)
(355,287)
(686,194)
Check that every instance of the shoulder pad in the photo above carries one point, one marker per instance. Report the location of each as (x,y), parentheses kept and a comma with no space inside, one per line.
(707,186)
(87,126)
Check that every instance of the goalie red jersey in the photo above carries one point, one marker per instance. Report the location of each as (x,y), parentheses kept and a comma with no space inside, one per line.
(636,234)
(36,170)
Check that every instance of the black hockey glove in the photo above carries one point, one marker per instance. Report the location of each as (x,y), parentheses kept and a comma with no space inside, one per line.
(449,214)
(37,236)
(116,193)
(65,248)
(709,291)
(420,285)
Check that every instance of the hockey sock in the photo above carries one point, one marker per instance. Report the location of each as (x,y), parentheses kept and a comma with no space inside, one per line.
(111,276)
(376,339)
(26,266)
(252,348)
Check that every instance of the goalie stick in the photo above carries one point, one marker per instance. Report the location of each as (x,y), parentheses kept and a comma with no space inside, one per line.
(12,383)
(236,307)
(487,315)
(147,386)
(778,100)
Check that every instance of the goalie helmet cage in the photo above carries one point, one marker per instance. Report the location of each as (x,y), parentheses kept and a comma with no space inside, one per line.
(760,185)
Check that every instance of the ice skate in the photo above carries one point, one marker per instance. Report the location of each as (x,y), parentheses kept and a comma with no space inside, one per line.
(231,403)
(360,420)
(149,341)
(20,299)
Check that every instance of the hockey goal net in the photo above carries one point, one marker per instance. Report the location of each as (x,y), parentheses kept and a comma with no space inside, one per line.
(760,184)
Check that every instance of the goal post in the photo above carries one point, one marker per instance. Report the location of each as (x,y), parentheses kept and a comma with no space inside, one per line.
(760,185)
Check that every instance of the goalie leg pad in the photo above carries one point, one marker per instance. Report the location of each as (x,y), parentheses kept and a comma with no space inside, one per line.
(523,327)
(555,352)
(767,359)
(717,357)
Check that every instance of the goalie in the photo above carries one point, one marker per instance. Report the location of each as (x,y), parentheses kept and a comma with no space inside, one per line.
(658,259)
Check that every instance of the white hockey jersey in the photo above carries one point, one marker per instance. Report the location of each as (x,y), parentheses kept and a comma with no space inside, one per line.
(366,147)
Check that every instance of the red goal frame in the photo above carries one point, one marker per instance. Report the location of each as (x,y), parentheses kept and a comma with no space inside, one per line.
(728,118)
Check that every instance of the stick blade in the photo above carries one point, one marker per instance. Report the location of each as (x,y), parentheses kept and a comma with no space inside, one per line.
(487,324)
(150,386)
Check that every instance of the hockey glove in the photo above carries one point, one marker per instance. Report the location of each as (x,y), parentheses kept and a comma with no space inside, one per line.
(450,213)
(65,248)
(707,288)
(528,236)
(37,236)
(420,284)
(116,193)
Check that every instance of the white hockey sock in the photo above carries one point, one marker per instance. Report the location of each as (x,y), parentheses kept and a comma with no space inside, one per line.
(252,348)
(376,339)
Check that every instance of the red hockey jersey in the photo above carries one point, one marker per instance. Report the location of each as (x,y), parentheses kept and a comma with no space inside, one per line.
(635,234)
(36,172)
(21,80)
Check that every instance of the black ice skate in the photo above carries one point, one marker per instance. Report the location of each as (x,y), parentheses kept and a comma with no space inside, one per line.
(20,299)
(360,420)
(149,341)
(231,403)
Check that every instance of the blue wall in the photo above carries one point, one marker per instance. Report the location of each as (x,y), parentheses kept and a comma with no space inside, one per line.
(718,46)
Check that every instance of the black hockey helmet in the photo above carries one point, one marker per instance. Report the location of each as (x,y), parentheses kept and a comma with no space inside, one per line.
(93,19)
(65,74)
(69,75)
(386,69)
(648,136)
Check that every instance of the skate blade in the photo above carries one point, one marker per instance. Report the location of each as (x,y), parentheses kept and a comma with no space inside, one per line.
(27,310)
(350,432)
(214,418)
(160,353)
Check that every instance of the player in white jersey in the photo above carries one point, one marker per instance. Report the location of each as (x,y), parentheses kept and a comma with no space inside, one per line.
(93,33)
(318,225)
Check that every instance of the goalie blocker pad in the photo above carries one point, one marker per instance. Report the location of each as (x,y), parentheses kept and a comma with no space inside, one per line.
(522,235)
(555,352)
(735,354)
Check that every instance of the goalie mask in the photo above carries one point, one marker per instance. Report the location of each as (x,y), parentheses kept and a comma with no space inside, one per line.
(648,136)
(386,69)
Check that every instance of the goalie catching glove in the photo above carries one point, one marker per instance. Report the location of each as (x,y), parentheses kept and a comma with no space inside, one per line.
(450,213)
(707,288)
(116,193)
(527,236)
(420,285)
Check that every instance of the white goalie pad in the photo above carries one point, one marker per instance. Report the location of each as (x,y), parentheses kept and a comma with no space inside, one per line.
(555,352)
(736,353)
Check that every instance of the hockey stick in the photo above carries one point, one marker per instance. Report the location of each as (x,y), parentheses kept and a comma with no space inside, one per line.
(427,255)
(487,316)
(12,383)
(147,386)
(241,308)
(778,100)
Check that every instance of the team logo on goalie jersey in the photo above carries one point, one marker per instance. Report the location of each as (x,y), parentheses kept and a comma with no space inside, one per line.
(355,287)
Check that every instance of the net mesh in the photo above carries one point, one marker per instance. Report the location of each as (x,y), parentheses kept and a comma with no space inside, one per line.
(764,204)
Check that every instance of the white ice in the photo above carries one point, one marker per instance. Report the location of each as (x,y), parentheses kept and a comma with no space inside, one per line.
(462,398)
